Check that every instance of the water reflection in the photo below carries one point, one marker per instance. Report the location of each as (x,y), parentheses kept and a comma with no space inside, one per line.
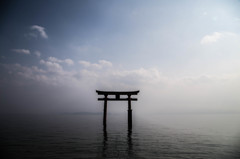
(129,142)
(108,144)
(105,144)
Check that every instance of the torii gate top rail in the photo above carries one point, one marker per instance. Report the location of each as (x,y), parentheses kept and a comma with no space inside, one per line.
(117,98)
(117,95)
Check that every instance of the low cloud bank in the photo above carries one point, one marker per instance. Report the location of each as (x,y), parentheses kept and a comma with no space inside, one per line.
(50,87)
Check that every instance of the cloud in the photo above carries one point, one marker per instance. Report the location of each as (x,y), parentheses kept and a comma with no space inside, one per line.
(105,63)
(66,61)
(116,76)
(39,30)
(215,37)
(69,61)
(157,91)
(52,66)
(211,38)
(22,51)
(84,63)
(37,53)
(54,59)
(101,64)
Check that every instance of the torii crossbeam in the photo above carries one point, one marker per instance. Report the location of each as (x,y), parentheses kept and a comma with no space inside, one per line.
(117,98)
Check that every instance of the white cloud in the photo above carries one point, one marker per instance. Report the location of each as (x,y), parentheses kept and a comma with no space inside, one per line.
(113,77)
(193,93)
(211,38)
(101,64)
(37,53)
(56,60)
(215,37)
(69,61)
(22,51)
(52,66)
(26,72)
(85,63)
(40,30)
(105,63)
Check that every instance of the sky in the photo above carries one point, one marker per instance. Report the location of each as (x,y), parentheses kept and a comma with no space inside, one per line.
(183,56)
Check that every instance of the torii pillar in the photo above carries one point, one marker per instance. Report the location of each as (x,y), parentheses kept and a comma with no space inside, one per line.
(117,98)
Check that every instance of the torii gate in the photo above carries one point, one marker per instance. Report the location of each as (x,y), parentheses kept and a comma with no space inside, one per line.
(117,98)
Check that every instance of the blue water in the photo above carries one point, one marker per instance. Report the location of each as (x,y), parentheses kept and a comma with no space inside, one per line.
(156,136)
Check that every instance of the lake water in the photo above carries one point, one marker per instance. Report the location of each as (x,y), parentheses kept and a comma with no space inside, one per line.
(156,136)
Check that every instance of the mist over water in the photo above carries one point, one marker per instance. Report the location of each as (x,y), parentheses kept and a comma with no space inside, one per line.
(83,136)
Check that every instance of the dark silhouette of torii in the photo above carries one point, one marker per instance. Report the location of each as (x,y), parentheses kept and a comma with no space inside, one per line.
(117,98)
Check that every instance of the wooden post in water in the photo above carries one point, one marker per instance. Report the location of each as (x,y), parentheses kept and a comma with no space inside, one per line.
(117,96)
(129,113)
(105,112)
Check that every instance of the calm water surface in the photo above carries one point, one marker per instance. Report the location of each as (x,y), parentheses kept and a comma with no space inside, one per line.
(157,136)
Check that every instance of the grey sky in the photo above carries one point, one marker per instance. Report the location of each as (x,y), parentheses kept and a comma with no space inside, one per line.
(182,55)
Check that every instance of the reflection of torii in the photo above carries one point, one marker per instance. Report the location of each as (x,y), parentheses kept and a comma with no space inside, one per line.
(106,145)
(117,98)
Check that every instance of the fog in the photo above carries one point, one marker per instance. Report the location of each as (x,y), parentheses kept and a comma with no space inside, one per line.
(52,89)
